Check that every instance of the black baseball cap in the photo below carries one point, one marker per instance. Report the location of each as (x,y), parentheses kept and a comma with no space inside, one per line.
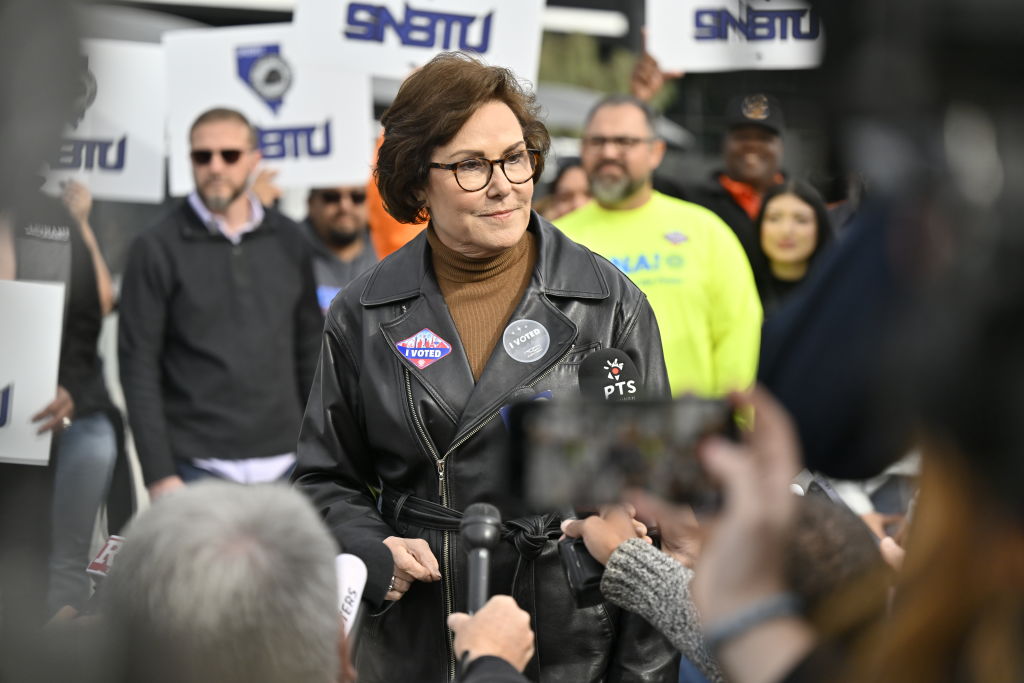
(756,109)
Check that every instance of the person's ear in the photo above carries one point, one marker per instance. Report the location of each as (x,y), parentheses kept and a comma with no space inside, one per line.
(658,148)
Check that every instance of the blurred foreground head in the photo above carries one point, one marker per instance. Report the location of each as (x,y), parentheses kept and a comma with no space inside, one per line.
(227,583)
(964,358)
(964,362)
(38,84)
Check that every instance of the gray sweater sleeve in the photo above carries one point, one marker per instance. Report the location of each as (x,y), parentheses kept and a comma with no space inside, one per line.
(641,579)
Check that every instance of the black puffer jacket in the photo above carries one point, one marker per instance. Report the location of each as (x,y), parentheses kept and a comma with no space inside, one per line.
(377,421)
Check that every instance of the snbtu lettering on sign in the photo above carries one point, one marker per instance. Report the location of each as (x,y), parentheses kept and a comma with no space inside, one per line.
(782,24)
(76,154)
(297,142)
(419,28)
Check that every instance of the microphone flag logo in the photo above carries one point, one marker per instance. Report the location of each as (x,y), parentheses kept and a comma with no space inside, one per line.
(614,368)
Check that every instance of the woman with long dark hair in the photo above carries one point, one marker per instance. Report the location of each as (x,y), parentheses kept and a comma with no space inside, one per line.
(793,230)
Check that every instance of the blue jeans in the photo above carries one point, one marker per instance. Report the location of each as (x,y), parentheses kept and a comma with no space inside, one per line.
(85,464)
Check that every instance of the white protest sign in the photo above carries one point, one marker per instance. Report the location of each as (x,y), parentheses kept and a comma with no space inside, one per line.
(734,35)
(392,37)
(115,146)
(314,115)
(32,317)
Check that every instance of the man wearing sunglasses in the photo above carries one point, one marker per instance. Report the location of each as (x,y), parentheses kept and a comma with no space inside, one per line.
(219,325)
(336,227)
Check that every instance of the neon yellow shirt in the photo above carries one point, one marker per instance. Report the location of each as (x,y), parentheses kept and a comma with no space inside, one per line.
(697,279)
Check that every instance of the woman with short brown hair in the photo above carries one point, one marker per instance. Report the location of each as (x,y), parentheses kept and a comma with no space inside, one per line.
(421,354)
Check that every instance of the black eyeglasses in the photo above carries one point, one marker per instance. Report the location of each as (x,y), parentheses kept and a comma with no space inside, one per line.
(334,196)
(474,174)
(201,157)
(619,141)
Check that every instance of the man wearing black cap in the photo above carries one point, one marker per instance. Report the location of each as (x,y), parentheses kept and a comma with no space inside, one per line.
(752,154)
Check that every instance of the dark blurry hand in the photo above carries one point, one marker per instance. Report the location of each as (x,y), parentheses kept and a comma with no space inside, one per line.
(647,78)
(878,522)
(264,188)
(500,629)
(62,407)
(741,561)
(892,552)
(162,487)
(676,525)
(78,200)
(603,533)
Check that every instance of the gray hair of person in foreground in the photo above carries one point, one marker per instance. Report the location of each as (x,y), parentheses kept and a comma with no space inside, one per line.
(227,583)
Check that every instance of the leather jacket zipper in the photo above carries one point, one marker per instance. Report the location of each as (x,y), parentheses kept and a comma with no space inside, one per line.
(495,414)
(442,490)
(442,486)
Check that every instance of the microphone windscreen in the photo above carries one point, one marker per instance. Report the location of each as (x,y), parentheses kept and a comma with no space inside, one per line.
(351,572)
(610,375)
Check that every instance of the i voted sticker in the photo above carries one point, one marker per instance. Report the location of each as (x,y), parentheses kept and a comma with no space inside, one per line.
(526,340)
(424,348)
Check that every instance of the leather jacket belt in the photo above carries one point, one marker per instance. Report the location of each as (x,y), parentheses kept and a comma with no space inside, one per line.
(527,534)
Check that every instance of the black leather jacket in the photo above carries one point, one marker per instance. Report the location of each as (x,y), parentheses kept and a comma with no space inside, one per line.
(375,421)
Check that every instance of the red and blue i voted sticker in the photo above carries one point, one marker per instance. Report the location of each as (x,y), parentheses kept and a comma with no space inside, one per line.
(424,348)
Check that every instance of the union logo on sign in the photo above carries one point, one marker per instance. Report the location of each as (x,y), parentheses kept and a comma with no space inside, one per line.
(265,71)
(424,348)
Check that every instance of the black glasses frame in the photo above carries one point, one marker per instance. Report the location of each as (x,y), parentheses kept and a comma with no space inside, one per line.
(201,157)
(454,168)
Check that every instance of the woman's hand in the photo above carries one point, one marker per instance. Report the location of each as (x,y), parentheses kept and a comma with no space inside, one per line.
(413,562)
(604,533)
(55,414)
(677,526)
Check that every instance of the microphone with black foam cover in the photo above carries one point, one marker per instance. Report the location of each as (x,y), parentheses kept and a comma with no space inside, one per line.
(610,375)
(605,375)
(480,530)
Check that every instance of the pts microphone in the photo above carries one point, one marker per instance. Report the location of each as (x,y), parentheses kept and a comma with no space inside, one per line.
(481,531)
(610,375)
(605,375)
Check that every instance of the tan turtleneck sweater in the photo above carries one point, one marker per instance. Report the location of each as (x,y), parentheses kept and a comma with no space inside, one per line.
(481,294)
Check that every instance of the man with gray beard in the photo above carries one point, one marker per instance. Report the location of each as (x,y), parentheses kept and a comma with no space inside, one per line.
(682,256)
(219,326)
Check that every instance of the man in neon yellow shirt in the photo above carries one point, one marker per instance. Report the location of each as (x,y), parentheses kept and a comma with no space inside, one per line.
(684,258)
